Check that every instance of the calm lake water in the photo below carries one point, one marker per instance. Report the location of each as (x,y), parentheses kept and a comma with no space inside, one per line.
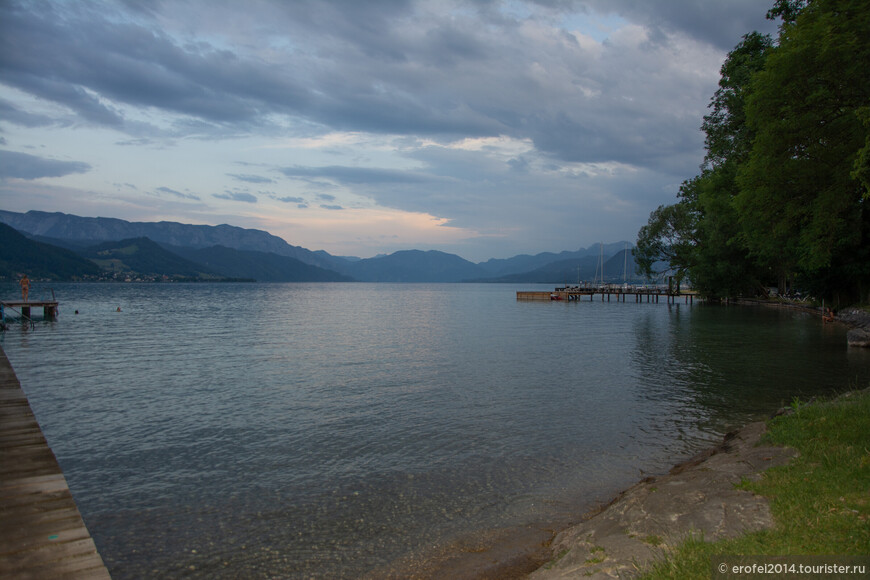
(334,430)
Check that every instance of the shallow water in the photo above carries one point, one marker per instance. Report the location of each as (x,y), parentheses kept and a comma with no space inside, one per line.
(329,430)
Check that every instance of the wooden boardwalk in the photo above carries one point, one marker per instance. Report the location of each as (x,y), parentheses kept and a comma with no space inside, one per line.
(42,534)
(49,307)
(573,293)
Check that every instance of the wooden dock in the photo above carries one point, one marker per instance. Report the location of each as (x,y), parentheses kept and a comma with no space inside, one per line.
(42,534)
(606,292)
(49,307)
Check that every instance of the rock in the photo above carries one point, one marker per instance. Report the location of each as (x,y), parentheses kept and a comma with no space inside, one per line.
(858,337)
(855,318)
(697,498)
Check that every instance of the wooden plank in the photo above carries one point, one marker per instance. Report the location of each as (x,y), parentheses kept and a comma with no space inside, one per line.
(34,487)
(46,506)
(76,559)
(42,533)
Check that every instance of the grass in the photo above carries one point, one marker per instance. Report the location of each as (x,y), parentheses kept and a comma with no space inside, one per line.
(597,557)
(653,540)
(820,500)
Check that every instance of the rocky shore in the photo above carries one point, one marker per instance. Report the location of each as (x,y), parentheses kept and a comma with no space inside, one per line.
(697,497)
(858,321)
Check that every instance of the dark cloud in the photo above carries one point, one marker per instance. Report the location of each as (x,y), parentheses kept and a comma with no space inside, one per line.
(236,196)
(80,55)
(250,178)
(25,166)
(722,24)
(591,128)
(12,114)
(289,199)
(392,66)
(170,191)
(354,175)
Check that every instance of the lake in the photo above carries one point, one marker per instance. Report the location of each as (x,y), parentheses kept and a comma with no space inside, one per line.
(338,430)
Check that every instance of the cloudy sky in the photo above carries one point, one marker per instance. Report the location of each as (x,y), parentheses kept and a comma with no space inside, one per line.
(481,128)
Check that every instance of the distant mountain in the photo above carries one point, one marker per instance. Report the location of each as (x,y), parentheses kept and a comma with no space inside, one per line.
(617,269)
(526,263)
(19,255)
(247,253)
(260,266)
(558,272)
(75,229)
(414,266)
(145,257)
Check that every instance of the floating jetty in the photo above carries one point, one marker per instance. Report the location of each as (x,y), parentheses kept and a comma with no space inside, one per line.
(49,307)
(607,291)
(43,534)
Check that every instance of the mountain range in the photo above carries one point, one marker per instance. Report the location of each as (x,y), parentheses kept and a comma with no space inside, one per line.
(169,250)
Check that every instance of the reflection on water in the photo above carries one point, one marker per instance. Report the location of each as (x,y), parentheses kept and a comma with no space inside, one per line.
(327,430)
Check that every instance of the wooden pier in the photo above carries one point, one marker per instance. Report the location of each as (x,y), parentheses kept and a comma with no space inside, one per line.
(606,292)
(42,533)
(49,307)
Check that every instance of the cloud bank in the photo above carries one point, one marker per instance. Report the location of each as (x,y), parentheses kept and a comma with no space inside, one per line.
(517,122)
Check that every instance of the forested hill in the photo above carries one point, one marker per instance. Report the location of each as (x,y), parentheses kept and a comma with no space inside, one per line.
(20,255)
(782,198)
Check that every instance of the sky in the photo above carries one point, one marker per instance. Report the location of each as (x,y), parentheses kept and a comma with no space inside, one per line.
(482,128)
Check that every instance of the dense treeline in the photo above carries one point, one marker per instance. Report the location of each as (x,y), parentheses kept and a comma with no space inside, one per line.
(782,196)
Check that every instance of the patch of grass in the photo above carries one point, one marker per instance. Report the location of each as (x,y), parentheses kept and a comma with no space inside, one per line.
(652,540)
(819,500)
(558,557)
(596,559)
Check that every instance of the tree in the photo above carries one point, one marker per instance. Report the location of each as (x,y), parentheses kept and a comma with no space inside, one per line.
(668,239)
(729,138)
(788,10)
(699,236)
(802,205)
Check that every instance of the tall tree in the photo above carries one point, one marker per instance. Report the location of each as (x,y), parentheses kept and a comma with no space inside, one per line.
(801,204)
(699,236)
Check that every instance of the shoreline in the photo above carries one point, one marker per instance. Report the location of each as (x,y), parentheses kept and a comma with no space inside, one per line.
(574,551)
(533,551)
(696,496)
(626,528)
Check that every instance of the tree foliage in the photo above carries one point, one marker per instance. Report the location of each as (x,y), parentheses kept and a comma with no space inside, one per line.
(785,185)
(705,247)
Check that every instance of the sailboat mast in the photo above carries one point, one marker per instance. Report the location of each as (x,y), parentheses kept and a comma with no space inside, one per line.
(625,264)
(601,259)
